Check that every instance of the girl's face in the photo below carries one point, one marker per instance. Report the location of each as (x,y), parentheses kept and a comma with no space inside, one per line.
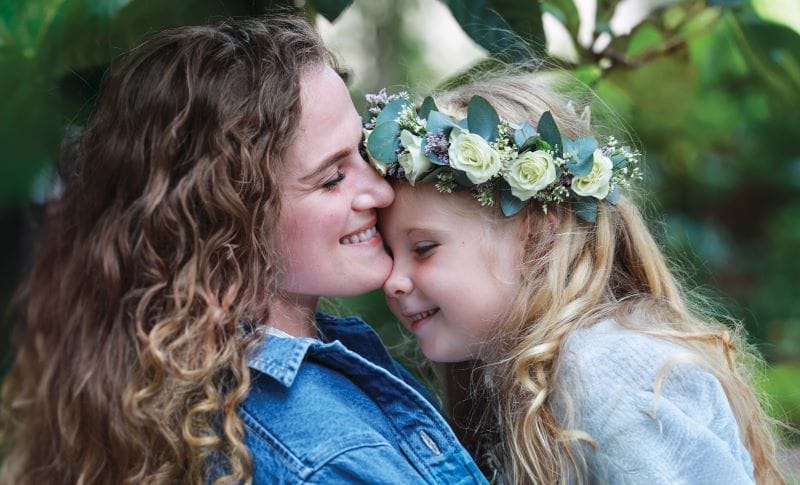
(454,273)
(329,244)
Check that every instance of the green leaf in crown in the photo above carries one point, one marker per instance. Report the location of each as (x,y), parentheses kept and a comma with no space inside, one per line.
(495,159)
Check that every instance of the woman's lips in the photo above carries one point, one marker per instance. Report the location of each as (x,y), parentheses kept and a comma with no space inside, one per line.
(360,237)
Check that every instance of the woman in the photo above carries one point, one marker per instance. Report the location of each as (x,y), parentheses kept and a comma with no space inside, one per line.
(218,191)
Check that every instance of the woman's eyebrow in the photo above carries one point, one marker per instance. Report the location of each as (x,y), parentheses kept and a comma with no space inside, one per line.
(333,159)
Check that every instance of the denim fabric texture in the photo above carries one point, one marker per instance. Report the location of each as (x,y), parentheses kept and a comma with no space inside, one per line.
(341,410)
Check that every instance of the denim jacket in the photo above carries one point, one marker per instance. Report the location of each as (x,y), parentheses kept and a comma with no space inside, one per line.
(341,410)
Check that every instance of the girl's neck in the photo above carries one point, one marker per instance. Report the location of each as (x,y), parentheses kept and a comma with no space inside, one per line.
(294,314)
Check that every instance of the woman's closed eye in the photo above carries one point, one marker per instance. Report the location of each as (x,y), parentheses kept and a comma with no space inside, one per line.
(331,183)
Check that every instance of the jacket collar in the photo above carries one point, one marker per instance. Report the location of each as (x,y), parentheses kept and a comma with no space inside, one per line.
(280,357)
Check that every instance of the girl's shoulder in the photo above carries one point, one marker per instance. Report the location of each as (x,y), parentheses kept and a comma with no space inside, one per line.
(608,363)
(650,406)
(610,352)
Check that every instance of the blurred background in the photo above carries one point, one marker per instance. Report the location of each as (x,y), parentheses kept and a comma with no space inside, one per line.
(710,90)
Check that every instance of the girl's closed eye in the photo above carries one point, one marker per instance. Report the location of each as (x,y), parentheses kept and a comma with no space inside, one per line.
(424,249)
(331,183)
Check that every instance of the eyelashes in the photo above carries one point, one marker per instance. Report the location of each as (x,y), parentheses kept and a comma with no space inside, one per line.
(332,183)
(362,147)
(424,249)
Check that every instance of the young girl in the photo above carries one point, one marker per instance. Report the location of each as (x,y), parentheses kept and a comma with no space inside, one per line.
(518,255)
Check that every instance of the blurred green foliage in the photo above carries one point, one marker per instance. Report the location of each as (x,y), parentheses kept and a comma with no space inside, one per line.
(710,89)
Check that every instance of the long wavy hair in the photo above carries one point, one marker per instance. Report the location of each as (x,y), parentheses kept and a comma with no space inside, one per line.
(130,350)
(576,274)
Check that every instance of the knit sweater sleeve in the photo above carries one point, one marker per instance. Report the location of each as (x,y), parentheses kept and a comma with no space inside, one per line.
(683,433)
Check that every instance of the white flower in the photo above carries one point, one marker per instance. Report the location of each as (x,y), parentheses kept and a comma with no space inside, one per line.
(414,162)
(530,173)
(473,155)
(379,166)
(596,183)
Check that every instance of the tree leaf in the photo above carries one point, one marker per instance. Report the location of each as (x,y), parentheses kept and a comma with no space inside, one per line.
(331,9)
(725,3)
(384,141)
(501,27)
(483,119)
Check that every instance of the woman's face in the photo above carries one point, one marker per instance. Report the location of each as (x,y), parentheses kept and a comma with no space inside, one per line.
(329,241)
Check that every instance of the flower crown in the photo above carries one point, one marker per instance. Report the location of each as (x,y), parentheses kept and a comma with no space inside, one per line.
(488,155)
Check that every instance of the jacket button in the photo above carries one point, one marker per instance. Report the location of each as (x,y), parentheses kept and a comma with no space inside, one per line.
(426,438)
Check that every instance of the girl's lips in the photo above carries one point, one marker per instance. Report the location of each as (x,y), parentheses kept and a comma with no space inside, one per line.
(417,320)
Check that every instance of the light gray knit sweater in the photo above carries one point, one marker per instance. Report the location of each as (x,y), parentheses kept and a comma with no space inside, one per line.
(688,435)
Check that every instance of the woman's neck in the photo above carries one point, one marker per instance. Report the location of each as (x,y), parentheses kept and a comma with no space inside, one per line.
(294,315)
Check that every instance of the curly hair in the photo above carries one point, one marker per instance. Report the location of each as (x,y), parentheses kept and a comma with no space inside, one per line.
(574,275)
(130,350)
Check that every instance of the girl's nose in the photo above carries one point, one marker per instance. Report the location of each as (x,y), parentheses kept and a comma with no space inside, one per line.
(398,283)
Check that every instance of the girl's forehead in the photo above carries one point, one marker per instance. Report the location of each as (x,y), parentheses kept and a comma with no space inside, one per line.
(424,208)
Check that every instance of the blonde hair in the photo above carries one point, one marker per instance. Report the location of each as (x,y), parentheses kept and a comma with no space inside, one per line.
(576,274)
(131,357)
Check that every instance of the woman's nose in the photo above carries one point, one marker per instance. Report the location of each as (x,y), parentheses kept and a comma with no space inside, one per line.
(374,192)
(398,283)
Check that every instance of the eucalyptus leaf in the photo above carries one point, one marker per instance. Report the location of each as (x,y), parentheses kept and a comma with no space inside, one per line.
(384,141)
(582,154)
(428,105)
(392,110)
(619,161)
(464,124)
(613,195)
(524,133)
(433,175)
(586,209)
(530,143)
(509,203)
(439,121)
(549,130)
(483,119)
(461,179)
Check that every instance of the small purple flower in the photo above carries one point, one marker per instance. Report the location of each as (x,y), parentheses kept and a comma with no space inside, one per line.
(437,144)
(396,171)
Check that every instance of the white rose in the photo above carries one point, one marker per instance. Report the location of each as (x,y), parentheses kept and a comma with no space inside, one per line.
(414,162)
(530,173)
(379,166)
(596,183)
(473,155)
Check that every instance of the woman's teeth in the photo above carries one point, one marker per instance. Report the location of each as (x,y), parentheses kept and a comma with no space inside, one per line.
(419,316)
(360,237)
